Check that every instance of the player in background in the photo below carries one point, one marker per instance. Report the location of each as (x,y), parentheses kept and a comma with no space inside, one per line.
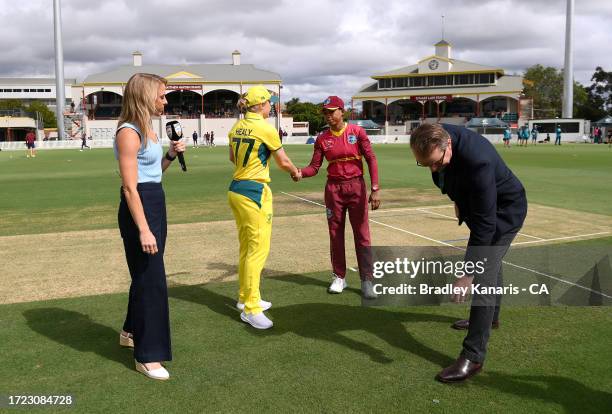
(507,137)
(30,140)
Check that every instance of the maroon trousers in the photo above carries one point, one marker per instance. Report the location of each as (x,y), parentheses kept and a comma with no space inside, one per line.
(341,196)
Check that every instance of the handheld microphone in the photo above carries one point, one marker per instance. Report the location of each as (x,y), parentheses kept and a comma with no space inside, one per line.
(175,133)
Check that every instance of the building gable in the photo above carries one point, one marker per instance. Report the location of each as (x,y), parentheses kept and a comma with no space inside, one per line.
(183,75)
(435,64)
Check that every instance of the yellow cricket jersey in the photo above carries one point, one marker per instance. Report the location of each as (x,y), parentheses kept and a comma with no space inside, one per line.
(252,140)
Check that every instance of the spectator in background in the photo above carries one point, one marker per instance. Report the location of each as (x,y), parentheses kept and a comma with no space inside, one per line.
(534,135)
(84,142)
(595,134)
(30,140)
(526,135)
(507,136)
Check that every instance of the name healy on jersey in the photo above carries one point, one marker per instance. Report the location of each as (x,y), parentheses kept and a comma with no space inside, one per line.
(243,131)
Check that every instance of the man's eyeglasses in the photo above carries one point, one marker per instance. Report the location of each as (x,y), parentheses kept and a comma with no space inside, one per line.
(437,163)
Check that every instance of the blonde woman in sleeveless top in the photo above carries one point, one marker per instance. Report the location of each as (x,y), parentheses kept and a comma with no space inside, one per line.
(142,222)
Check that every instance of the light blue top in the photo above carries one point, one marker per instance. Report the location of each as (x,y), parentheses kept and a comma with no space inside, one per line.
(149,157)
(525,132)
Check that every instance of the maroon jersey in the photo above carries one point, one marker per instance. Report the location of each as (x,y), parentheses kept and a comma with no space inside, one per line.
(344,153)
(30,138)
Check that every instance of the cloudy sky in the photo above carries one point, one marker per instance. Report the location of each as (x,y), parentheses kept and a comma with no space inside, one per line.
(319,47)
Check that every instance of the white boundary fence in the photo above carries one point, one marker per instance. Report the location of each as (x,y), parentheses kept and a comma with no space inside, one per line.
(289,140)
(108,143)
(65,144)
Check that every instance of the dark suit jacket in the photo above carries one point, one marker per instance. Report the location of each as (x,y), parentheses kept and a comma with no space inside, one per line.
(491,200)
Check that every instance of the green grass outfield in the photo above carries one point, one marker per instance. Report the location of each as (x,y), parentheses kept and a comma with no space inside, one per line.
(63,190)
(325,353)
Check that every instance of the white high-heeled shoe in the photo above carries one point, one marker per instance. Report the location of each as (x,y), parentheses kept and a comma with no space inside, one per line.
(158,374)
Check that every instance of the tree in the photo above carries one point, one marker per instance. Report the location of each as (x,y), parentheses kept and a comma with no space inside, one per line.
(600,91)
(586,105)
(49,119)
(47,115)
(306,112)
(11,104)
(545,86)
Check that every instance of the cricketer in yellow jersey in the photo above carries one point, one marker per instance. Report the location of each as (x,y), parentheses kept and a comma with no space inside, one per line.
(252,141)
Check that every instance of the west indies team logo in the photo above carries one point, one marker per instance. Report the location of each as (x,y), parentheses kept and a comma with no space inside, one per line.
(329,213)
(352,139)
(326,101)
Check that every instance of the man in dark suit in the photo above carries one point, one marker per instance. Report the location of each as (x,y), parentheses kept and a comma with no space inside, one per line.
(492,202)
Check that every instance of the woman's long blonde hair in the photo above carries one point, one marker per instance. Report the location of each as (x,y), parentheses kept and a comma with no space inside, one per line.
(139,101)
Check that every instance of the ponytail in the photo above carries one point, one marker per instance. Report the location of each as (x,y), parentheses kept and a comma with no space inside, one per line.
(242,104)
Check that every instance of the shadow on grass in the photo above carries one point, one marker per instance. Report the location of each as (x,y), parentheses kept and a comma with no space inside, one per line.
(573,396)
(79,332)
(328,321)
(310,281)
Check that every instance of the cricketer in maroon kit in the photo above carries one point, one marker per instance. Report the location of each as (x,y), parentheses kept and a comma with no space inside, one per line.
(344,146)
(30,140)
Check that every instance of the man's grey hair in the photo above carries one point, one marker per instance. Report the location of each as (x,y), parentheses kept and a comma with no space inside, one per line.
(428,137)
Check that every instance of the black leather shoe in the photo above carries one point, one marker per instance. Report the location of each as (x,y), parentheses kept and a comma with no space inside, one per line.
(464,324)
(461,370)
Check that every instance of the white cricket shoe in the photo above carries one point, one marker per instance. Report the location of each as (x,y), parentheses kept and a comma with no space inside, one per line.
(337,285)
(265,305)
(256,320)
